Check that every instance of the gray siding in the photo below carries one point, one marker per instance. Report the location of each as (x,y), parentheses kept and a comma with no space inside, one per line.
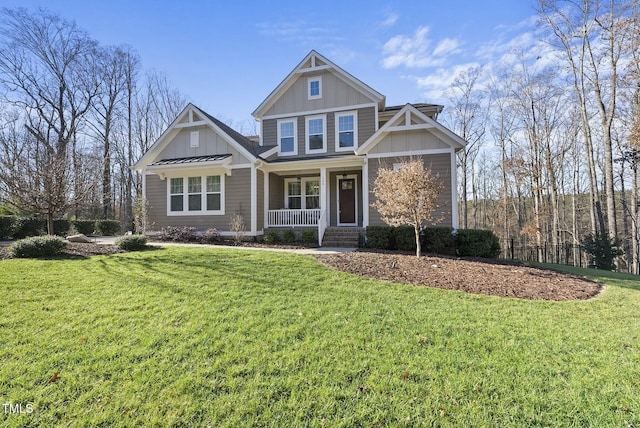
(439,164)
(276,192)
(210,143)
(260,195)
(406,141)
(237,201)
(335,93)
(366,128)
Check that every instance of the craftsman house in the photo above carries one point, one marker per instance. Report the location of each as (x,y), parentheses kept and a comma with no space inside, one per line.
(323,136)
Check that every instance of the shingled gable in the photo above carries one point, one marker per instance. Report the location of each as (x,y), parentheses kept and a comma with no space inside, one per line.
(244,145)
(409,118)
(314,62)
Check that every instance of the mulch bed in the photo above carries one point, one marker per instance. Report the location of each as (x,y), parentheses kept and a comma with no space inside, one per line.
(472,276)
(488,277)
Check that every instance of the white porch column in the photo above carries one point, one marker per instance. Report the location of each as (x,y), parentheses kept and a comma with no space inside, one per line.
(144,184)
(254,200)
(365,193)
(323,191)
(265,180)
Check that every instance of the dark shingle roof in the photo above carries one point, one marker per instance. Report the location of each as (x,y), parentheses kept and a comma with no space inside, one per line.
(252,147)
(192,159)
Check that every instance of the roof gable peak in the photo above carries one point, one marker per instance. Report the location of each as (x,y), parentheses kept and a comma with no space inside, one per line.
(314,62)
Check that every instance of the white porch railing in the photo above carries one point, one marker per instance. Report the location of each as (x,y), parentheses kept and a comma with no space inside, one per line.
(322,226)
(277,218)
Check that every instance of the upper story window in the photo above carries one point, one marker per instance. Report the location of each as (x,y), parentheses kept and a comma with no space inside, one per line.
(314,87)
(287,136)
(346,131)
(316,134)
(199,195)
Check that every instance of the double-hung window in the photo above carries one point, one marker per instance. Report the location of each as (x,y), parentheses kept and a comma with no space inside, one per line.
(287,137)
(303,194)
(346,131)
(176,194)
(316,134)
(197,195)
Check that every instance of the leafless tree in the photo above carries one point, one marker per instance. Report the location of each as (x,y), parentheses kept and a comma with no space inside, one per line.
(407,196)
(47,66)
(465,116)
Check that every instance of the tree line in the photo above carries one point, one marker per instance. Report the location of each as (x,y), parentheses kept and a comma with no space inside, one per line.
(74,116)
(554,141)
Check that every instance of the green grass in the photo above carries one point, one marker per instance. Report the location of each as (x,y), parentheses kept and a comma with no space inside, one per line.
(214,337)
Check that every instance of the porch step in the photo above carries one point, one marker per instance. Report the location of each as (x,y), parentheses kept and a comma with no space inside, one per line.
(342,237)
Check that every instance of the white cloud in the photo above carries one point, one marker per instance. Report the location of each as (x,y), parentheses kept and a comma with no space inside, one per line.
(390,20)
(447,47)
(437,82)
(415,51)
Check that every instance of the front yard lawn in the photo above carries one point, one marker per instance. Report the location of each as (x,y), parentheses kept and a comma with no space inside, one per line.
(217,337)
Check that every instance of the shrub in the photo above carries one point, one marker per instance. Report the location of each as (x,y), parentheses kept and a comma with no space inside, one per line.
(602,249)
(6,226)
(271,237)
(289,236)
(131,242)
(477,243)
(107,227)
(61,227)
(438,240)
(210,236)
(86,227)
(308,236)
(180,234)
(404,238)
(28,226)
(37,246)
(380,237)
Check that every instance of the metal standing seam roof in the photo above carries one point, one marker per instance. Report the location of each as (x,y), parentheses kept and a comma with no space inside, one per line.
(192,159)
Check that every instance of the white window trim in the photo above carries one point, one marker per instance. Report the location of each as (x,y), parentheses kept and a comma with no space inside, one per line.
(314,79)
(355,131)
(185,197)
(303,194)
(194,138)
(295,137)
(324,134)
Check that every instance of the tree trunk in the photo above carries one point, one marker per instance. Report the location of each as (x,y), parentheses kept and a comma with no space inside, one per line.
(416,228)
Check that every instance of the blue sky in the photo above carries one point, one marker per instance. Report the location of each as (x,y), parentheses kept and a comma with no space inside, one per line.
(226,57)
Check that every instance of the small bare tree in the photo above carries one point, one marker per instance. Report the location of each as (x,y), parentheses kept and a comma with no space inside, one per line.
(238,227)
(408,196)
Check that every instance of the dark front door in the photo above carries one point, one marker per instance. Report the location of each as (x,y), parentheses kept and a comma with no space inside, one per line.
(347,196)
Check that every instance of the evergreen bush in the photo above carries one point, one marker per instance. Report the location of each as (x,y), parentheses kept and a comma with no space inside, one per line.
(37,246)
(131,242)
(289,236)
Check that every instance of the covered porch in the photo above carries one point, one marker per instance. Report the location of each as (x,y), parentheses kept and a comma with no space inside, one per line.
(317,194)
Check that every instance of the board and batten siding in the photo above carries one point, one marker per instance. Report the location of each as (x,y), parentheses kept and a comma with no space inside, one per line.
(237,193)
(407,141)
(366,128)
(335,93)
(439,164)
(210,143)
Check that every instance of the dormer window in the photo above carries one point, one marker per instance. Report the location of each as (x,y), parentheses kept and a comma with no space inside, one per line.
(314,86)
